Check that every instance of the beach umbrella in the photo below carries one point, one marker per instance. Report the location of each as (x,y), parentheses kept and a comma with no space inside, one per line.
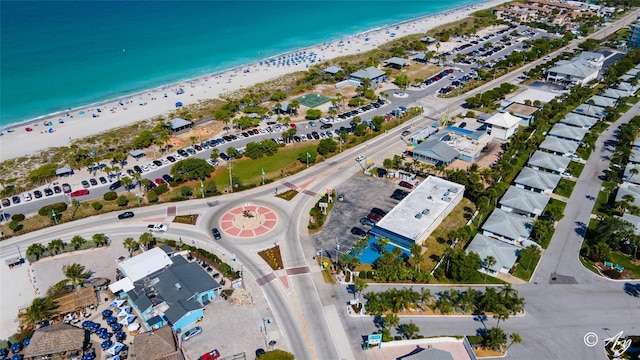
(94,327)
(17,357)
(16,347)
(26,341)
(107,313)
(133,327)
(124,311)
(116,327)
(115,348)
(28,129)
(50,131)
(81,113)
(117,303)
(117,357)
(127,320)
(179,104)
(121,335)
(106,335)
(86,323)
(106,344)
(4,352)
(89,356)
(111,320)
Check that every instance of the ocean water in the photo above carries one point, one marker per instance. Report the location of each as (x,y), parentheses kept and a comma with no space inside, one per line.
(60,54)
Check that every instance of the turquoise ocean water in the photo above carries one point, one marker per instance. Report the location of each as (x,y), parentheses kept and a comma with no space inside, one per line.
(60,54)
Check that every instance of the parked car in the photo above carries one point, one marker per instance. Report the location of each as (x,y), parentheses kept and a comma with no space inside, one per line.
(157,227)
(405,184)
(85,184)
(37,194)
(115,185)
(367,221)
(57,190)
(360,158)
(357,231)
(93,181)
(66,188)
(211,355)
(27,196)
(48,192)
(196,330)
(379,212)
(102,180)
(157,162)
(374,217)
(126,215)
(16,199)
(6,202)
(167,178)
(81,192)
(216,233)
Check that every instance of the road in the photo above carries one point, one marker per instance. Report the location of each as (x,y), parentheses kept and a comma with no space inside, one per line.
(558,311)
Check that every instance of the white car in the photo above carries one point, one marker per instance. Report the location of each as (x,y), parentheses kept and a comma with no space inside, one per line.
(152,166)
(164,161)
(360,158)
(566,175)
(27,196)
(177,156)
(157,227)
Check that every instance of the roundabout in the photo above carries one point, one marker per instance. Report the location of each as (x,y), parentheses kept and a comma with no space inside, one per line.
(248,221)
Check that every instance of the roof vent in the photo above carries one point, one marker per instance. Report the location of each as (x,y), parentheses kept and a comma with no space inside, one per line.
(178,286)
(453,190)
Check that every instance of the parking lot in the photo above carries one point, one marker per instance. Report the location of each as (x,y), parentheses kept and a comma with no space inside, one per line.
(361,194)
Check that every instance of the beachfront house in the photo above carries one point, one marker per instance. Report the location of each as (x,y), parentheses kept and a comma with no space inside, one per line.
(375,75)
(502,125)
(523,202)
(178,125)
(396,62)
(559,146)
(508,227)
(537,181)
(541,160)
(578,71)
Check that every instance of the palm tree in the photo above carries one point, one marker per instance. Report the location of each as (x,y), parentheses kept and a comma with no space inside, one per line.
(381,243)
(360,285)
(410,330)
(41,308)
(489,261)
(130,244)
(164,139)
(534,252)
(126,182)
(99,239)
(145,240)
(77,241)
(515,339)
(55,246)
(137,176)
(425,296)
(495,339)
(391,321)
(35,249)
(501,313)
(294,106)
(416,252)
(76,274)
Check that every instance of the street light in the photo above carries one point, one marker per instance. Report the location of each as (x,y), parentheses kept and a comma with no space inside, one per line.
(230,178)
(308,159)
(202,188)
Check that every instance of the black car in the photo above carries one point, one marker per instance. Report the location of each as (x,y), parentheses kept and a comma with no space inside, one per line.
(16,199)
(326,126)
(224,156)
(367,221)
(137,169)
(358,231)
(37,194)
(216,233)
(6,202)
(183,153)
(48,192)
(130,172)
(126,215)
(315,135)
(260,352)
(171,159)
(309,137)
(167,178)
(379,212)
(93,181)
(57,189)
(157,162)
(115,185)
(102,180)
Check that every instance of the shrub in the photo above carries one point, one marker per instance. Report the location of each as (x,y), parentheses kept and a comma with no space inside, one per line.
(110,196)
(610,273)
(369,274)
(57,207)
(362,275)
(152,196)
(186,191)
(97,205)
(122,201)
(15,226)
(161,189)
(17,217)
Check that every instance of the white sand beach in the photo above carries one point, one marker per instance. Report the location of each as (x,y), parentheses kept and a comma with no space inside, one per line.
(85,121)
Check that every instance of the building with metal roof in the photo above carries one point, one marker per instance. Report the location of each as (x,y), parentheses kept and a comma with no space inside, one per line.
(421,57)
(507,227)
(502,125)
(536,180)
(533,95)
(627,86)
(144,264)
(64,171)
(549,162)
(579,70)
(505,254)
(452,143)
(632,190)
(629,174)
(558,146)
(417,215)
(523,202)
(595,111)
(136,154)
(603,101)
(371,73)
(633,219)
(332,70)
(568,132)
(178,125)
(578,120)
(615,93)
(396,62)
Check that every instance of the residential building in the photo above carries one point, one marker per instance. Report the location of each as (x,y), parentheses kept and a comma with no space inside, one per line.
(578,71)
(626,190)
(505,254)
(415,217)
(634,34)
(568,132)
(502,125)
(523,202)
(160,344)
(333,70)
(511,14)
(371,73)
(178,125)
(594,111)
(507,227)
(451,143)
(633,219)
(536,180)
(548,162)
(526,113)
(396,62)
(579,120)
(631,174)
(603,101)
(558,146)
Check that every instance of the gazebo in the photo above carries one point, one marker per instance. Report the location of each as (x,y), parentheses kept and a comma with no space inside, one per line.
(178,125)
(57,340)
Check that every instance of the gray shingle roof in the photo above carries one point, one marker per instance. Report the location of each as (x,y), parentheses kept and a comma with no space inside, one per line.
(628,176)
(557,145)
(178,123)
(332,70)
(590,110)
(615,93)
(504,253)
(511,226)
(578,120)
(548,161)
(524,201)
(629,189)
(568,132)
(603,101)
(635,220)
(397,61)
(537,179)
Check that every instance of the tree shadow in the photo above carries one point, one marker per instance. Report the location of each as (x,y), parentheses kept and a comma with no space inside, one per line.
(441,240)
(482,331)
(632,289)
(434,257)
(378,321)
(351,289)
(481,318)
(581,228)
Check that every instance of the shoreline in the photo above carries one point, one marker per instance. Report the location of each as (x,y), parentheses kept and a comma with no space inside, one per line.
(210,86)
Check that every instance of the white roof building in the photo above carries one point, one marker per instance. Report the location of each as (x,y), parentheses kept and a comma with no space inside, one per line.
(580,70)
(502,125)
(138,267)
(505,254)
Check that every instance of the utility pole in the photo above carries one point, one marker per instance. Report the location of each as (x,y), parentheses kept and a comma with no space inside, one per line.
(308,159)
(53,215)
(202,187)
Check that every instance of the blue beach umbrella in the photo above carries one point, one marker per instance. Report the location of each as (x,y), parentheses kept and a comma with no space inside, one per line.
(86,323)
(111,320)
(121,335)
(16,347)
(26,341)
(101,331)
(116,327)
(107,313)
(106,344)
(17,357)
(4,352)
(81,113)
(106,335)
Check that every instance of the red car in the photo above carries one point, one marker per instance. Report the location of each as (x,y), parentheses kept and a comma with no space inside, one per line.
(405,184)
(211,355)
(81,192)
(374,217)
(293,125)
(159,181)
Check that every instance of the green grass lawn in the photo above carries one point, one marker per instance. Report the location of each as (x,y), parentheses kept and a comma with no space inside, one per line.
(565,187)
(575,168)
(248,172)
(627,264)
(555,208)
(602,207)
(521,271)
(587,264)
(633,100)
